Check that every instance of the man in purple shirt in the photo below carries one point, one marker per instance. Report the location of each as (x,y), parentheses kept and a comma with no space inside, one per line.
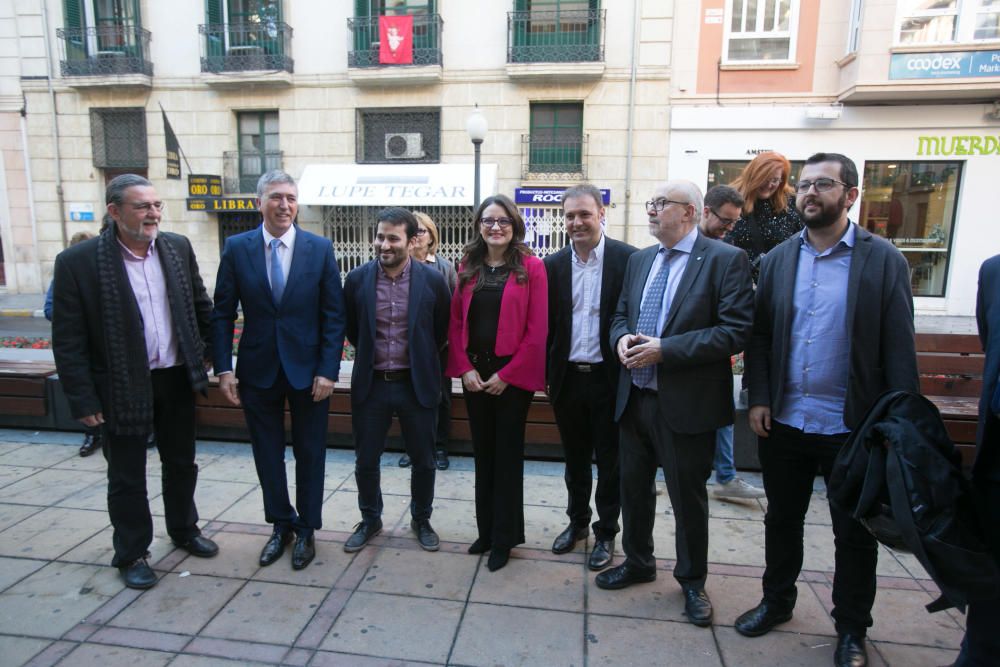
(397,320)
(129,330)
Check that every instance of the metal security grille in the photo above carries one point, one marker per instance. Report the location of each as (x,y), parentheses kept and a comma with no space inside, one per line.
(231,224)
(545,231)
(118,138)
(398,136)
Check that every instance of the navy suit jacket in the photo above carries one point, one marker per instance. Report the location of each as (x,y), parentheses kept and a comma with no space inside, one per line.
(305,334)
(427,327)
(987,464)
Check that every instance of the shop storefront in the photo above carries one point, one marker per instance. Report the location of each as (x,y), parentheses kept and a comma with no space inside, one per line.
(926,174)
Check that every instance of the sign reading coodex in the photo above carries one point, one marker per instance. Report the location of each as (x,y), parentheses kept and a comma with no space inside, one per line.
(945,65)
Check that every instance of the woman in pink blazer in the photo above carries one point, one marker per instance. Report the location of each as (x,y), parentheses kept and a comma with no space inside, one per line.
(496,344)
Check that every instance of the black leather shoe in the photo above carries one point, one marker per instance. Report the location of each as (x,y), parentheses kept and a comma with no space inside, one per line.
(363,532)
(199,546)
(303,551)
(850,651)
(404,461)
(697,607)
(498,559)
(623,576)
(761,619)
(275,546)
(441,459)
(426,536)
(138,574)
(567,539)
(91,443)
(480,546)
(602,555)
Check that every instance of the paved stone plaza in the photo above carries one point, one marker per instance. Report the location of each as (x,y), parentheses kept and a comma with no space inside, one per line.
(392,603)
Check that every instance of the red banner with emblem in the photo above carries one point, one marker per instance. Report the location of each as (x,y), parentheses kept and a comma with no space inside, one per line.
(395,40)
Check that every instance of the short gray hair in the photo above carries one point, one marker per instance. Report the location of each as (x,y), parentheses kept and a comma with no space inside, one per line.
(115,192)
(690,192)
(270,178)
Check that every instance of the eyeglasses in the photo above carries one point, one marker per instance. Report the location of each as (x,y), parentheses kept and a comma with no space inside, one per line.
(822,185)
(146,206)
(421,232)
(488,223)
(657,205)
(726,222)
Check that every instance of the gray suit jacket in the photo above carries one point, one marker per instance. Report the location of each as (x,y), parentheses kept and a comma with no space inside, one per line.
(709,320)
(882,351)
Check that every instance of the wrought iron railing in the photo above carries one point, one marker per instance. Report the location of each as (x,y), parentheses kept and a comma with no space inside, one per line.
(115,48)
(242,169)
(243,47)
(553,159)
(364,40)
(558,36)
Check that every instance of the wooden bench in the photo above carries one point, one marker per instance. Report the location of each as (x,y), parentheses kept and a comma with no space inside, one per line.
(951,376)
(23,396)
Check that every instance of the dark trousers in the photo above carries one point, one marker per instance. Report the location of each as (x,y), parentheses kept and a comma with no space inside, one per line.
(789,461)
(585,416)
(371,420)
(264,409)
(497,425)
(981,645)
(686,460)
(128,503)
(443,426)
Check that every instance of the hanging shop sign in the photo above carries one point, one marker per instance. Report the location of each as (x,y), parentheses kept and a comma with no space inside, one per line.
(394,185)
(204,186)
(227,205)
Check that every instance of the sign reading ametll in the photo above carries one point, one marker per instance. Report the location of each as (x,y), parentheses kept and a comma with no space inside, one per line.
(944,65)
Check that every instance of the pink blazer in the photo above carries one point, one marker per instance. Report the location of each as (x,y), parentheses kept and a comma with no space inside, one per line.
(521,333)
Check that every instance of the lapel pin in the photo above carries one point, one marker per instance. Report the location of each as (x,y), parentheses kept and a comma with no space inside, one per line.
(697,259)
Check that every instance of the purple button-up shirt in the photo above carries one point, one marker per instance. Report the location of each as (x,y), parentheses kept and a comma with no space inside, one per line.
(145,274)
(392,308)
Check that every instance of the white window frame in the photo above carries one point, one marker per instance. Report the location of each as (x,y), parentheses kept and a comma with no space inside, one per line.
(854,26)
(965,13)
(792,32)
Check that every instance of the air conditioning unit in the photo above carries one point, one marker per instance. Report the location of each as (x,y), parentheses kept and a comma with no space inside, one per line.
(404,145)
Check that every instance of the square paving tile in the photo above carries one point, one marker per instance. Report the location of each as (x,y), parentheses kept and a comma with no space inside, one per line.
(532,583)
(181,605)
(421,574)
(97,655)
(100,550)
(213,497)
(455,520)
(11,514)
(48,486)
(542,524)
(455,485)
(93,463)
(394,626)
(39,455)
(915,656)
(11,474)
(632,641)
(264,612)
(787,649)
(13,570)
(51,532)
(93,497)
(900,617)
(659,600)
(238,557)
(19,650)
(55,598)
(545,490)
(341,513)
(249,508)
(515,636)
(205,661)
(736,541)
(238,468)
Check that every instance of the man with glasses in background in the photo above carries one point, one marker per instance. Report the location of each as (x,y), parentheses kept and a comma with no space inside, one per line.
(833,329)
(686,307)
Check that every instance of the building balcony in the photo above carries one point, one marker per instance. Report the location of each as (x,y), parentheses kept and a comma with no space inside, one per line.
(551,44)
(242,169)
(108,55)
(553,160)
(253,52)
(363,62)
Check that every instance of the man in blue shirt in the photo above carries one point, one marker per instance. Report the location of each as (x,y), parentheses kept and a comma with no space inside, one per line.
(833,329)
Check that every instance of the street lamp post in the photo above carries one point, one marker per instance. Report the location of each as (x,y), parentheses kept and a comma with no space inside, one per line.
(476,126)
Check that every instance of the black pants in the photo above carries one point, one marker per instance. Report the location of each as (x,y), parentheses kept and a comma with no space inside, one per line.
(265,414)
(128,502)
(981,645)
(497,425)
(790,460)
(371,420)
(686,460)
(585,416)
(443,427)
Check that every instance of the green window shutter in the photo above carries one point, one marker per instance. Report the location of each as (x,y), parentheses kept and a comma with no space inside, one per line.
(76,42)
(364,8)
(213,11)
(72,14)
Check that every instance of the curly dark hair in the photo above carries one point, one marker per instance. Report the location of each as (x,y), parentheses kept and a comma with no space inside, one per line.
(473,264)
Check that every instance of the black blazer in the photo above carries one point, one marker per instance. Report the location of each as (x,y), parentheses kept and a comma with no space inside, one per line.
(427,325)
(559,270)
(988,318)
(709,321)
(882,352)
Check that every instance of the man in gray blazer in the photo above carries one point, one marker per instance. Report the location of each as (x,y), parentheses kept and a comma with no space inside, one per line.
(686,307)
(833,329)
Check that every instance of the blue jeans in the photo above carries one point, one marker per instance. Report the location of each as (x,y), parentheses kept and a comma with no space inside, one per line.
(725,465)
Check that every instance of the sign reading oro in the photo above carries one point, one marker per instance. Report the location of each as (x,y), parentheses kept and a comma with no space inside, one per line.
(204,186)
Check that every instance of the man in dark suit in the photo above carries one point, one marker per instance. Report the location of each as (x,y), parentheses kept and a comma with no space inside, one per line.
(585,279)
(397,320)
(833,329)
(685,308)
(981,645)
(287,282)
(130,321)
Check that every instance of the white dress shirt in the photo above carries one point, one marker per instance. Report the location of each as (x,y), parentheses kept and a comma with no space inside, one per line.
(585,334)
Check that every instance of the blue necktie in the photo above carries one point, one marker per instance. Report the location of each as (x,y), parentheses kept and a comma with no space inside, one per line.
(277,275)
(649,315)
